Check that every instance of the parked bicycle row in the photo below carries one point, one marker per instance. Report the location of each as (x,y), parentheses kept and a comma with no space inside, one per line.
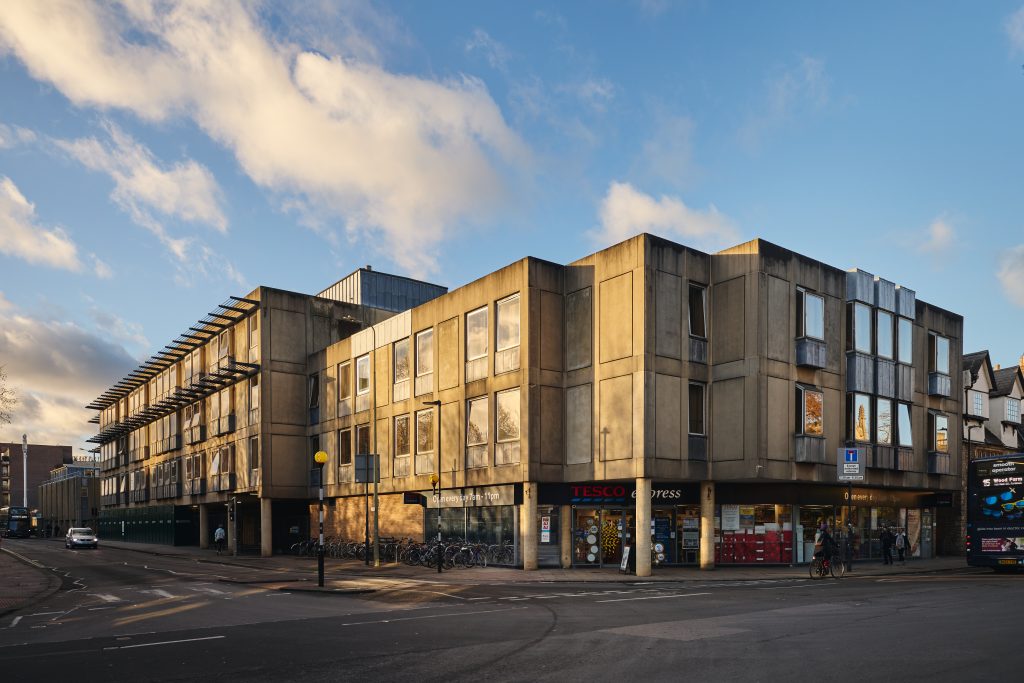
(454,552)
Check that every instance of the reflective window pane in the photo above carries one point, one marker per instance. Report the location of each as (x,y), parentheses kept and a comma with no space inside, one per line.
(425,431)
(363,374)
(813,413)
(905,339)
(862,328)
(402,435)
(507,422)
(941,355)
(476,334)
(697,314)
(476,421)
(401,369)
(884,334)
(904,432)
(941,433)
(861,417)
(425,353)
(883,421)
(508,323)
(814,316)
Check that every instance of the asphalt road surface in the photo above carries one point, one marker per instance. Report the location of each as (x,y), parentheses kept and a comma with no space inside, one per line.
(122,615)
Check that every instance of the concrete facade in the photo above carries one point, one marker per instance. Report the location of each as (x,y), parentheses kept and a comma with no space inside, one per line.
(70,498)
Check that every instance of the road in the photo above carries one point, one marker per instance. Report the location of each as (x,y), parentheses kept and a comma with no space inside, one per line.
(123,615)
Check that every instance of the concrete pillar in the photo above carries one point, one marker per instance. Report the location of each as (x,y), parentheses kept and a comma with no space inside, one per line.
(565,535)
(266,528)
(528,525)
(707,525)
(642,542)
(204,527)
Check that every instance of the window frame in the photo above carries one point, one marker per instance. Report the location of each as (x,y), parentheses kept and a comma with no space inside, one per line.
(857,400)
(425,413)
(937,343)
(803,393)
(394,431)
(498,306)
(1013,415)
(470,403)
(853,338)
(497,415)
(394,361)
(363,363)
(878,422)
(890,352)
(703,409)
(476,313)
(693,289)
(802,314)
(904,325)
(425,336)
(936,442)
(345,443)
(904,440)
(344,370)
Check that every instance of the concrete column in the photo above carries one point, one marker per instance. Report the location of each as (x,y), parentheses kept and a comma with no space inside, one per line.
(565,535)
(266,528)
(707,525)
(642,542)
(204,527)
(528,525)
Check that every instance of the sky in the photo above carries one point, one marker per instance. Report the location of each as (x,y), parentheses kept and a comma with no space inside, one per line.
(159,156)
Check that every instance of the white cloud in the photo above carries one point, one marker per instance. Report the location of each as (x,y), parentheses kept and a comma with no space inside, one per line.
(22,237)
(12,136)
(186,190)
(667,155)
(101,269)
(1015,30)
(939,238)
(5,305)
(1011,274)
(496,54)
(392,156)
(626,211)
(802,87)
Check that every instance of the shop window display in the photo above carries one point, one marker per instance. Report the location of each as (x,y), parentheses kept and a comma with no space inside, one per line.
(753,534)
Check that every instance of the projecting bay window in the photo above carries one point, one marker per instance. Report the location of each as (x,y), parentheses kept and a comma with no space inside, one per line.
(1013,410)
(858,332)
(883,422)
(884,334)
(506,331)
(859,417)
(313,398)
(424,362)
(904,430)
(401,369)
(425,441)
(401,441)
(344,455)
(938,365)
(477,423)
(507,409)
(905,340)
(476,344)
(363,383)
(809,441)
(810,329)
(938,456)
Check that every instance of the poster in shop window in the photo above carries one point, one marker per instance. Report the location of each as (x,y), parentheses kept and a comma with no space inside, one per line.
(730,518)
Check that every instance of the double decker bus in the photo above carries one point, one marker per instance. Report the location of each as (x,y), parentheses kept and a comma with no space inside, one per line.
(15,522)
(995,512)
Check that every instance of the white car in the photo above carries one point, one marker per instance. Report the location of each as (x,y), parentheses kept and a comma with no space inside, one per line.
(81,537)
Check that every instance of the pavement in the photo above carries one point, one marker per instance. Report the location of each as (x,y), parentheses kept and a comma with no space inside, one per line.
(355,575)
(23,583)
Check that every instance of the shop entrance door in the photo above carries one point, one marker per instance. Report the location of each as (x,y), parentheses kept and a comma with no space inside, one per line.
(617,527)
(586,537)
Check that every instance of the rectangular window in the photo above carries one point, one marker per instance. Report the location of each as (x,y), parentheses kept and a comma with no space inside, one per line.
(905,340)
(344,380)
(344,447)
(507,327)
(507,418)
(254,453)
(314,391)
(363,440)
(476,334)
(253,331)
(476,421)
(811,414)
(401,352)
(979,403)
(214,408)
(697,409)
(810,315)
(860,417)
(424,353)
(363,375)
(215,463)
(883,334)
(401,436)
(939,353)
(940,436)
(698,311)
(424,432)
(858,334)
(903,426)
(1012,410)
(883,421)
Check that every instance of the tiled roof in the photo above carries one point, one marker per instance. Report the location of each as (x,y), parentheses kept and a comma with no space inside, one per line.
(1004,381)
(974,362)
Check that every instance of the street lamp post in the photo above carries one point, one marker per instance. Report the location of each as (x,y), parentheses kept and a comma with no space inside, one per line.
(435,481)
(320,457)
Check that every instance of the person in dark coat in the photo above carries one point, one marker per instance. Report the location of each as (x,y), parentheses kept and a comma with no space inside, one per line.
(848,547)
(886,538)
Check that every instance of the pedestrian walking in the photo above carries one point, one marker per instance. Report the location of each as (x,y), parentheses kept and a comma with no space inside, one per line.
(848,547)
(886,537)
(902,546)
(218,538)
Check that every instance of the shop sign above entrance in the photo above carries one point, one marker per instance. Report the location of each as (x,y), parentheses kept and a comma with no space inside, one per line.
(482,496)
(850,464)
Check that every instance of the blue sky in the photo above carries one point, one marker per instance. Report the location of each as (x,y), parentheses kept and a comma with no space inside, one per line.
(236,145)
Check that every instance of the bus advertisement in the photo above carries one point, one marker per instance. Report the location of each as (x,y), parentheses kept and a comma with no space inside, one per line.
(995,512)
(16,522)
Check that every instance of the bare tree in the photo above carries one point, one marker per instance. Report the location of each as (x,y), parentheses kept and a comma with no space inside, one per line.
(8,399)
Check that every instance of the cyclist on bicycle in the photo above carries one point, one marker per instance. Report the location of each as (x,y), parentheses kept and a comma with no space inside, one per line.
(824,544)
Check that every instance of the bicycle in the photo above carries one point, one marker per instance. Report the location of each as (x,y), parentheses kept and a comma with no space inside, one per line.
(821,567)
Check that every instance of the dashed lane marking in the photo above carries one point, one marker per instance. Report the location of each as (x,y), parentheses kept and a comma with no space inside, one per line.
(164,642)
(656,597)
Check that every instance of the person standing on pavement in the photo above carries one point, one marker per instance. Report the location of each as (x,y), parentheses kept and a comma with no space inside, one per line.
(848,548)
(901,545)
(218,538)
(886,538)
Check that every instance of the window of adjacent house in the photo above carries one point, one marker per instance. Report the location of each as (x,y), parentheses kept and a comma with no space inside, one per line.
(811,413)
(903,426)
(254,453)
(696,409)
(1012,410)
(905,340)
(507,415)
(507,323)
(698,311)
(859,324)
(424,431)
(883,421)
(883,334)
(363,439)
(860,417)
(344,447)
(344,380)
(940,433)
(401,369)
(476,421)
(401,435)
(476,334)
(424,353)
(939,348)
(979,403)
(363,374)
(810,315)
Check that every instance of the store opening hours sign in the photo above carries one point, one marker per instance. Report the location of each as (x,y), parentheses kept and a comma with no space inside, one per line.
(850,464)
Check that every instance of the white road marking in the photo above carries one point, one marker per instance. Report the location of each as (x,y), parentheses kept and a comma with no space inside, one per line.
(656,597)
(14,622)
(206,589)
(44,614)
(432,616)
(105,597)
(94,609)
(165,642)
(160,592)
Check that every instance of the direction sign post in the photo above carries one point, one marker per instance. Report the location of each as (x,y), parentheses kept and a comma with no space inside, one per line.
(850,468)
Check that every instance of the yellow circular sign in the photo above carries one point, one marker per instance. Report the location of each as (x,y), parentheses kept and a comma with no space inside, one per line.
(320,457)
(433,479)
